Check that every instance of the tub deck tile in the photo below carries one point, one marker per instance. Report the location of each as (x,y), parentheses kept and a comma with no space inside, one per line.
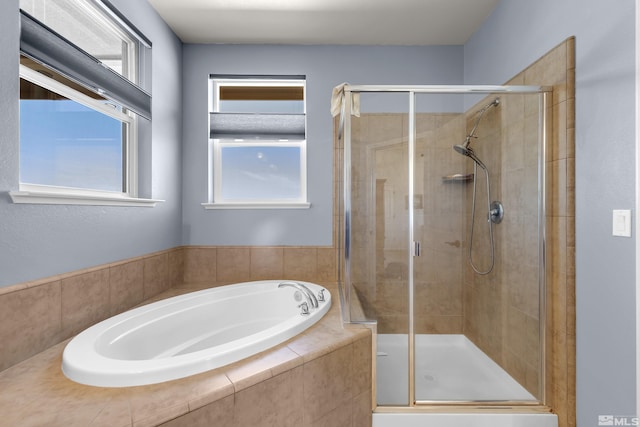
(262,366)
(36,393)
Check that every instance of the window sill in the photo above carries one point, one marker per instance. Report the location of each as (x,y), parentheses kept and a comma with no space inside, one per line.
(45,198)
(294,205)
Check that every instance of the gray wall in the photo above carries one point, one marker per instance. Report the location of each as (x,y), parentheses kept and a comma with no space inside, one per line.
(40,240)
(517,33)
(325,67)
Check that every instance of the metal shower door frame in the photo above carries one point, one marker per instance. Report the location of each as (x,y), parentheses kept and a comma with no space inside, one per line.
(413,249)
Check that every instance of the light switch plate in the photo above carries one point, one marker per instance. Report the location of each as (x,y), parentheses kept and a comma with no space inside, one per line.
(622,222)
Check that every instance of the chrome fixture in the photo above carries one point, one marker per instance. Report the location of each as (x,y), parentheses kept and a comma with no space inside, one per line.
(496,213)
(311,298)
(304,308)
(495,210)
(464,148)
(321,295)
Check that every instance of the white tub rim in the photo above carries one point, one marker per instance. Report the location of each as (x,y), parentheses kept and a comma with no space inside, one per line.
(118,372)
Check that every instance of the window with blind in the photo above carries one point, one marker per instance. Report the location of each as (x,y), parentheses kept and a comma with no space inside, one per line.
(257,142)
(81,100)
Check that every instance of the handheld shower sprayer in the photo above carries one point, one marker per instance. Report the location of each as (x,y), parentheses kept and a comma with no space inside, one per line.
(495,210)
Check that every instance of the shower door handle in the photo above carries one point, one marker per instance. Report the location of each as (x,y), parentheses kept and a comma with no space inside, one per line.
(416,248)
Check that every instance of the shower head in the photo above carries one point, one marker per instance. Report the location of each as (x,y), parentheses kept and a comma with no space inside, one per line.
(465,150)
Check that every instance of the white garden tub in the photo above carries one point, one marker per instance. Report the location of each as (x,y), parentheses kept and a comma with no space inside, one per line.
(190,333)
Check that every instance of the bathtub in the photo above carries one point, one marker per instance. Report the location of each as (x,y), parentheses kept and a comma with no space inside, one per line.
(191,333)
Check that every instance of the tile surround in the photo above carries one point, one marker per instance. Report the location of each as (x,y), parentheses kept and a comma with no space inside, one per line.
(45,312)
(222,265)
(71,302)
(30,321)
(319,378)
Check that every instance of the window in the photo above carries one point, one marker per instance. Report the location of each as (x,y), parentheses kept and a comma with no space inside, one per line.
(257,142)
(81,103)
(72,142)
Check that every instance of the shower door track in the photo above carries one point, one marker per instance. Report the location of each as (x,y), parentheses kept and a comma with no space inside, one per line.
(411,90)
(481,89)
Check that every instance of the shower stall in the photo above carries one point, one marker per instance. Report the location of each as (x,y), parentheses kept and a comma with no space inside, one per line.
(443,241)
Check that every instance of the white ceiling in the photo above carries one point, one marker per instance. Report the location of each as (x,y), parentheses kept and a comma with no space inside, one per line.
(362,22)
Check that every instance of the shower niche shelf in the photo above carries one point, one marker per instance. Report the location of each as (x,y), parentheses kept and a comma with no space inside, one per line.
(457,177)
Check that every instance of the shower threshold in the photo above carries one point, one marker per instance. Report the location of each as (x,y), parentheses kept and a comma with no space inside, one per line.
(449,368)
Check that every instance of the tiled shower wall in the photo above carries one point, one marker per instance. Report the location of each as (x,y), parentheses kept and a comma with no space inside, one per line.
(379,245)
(439,215)
(557,69)
(500,315)
(501,309)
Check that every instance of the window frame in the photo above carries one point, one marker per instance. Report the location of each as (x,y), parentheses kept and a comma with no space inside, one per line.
(128,196)
(216,145)
(38,193)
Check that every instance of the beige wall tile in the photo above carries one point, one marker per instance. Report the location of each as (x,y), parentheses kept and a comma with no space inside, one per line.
(443,298)
(361,366)
(361,407)
(393,324)
(126,285)
(277,401)
(438,324)
(339,417)
(200,265)
(44,411)
(218,413)
(156,274)
(151,403)
(559,131)
(207,387)
(89,295)
(85,301)
(327,265)
(301,263)
(327,383)
(233,265)
(267,263)
(116,413)
(308,344)
(30,322)
(176,266)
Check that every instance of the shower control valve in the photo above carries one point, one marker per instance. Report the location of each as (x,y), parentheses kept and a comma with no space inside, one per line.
(496,213)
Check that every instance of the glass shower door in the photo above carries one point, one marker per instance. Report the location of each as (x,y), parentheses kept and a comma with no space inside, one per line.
(379,273)
(446,332)
(476,319)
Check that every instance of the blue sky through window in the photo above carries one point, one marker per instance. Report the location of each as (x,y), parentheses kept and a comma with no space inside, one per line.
(261,172)
(63,143)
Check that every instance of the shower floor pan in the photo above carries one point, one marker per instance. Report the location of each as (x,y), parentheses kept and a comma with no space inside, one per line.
(448,368)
